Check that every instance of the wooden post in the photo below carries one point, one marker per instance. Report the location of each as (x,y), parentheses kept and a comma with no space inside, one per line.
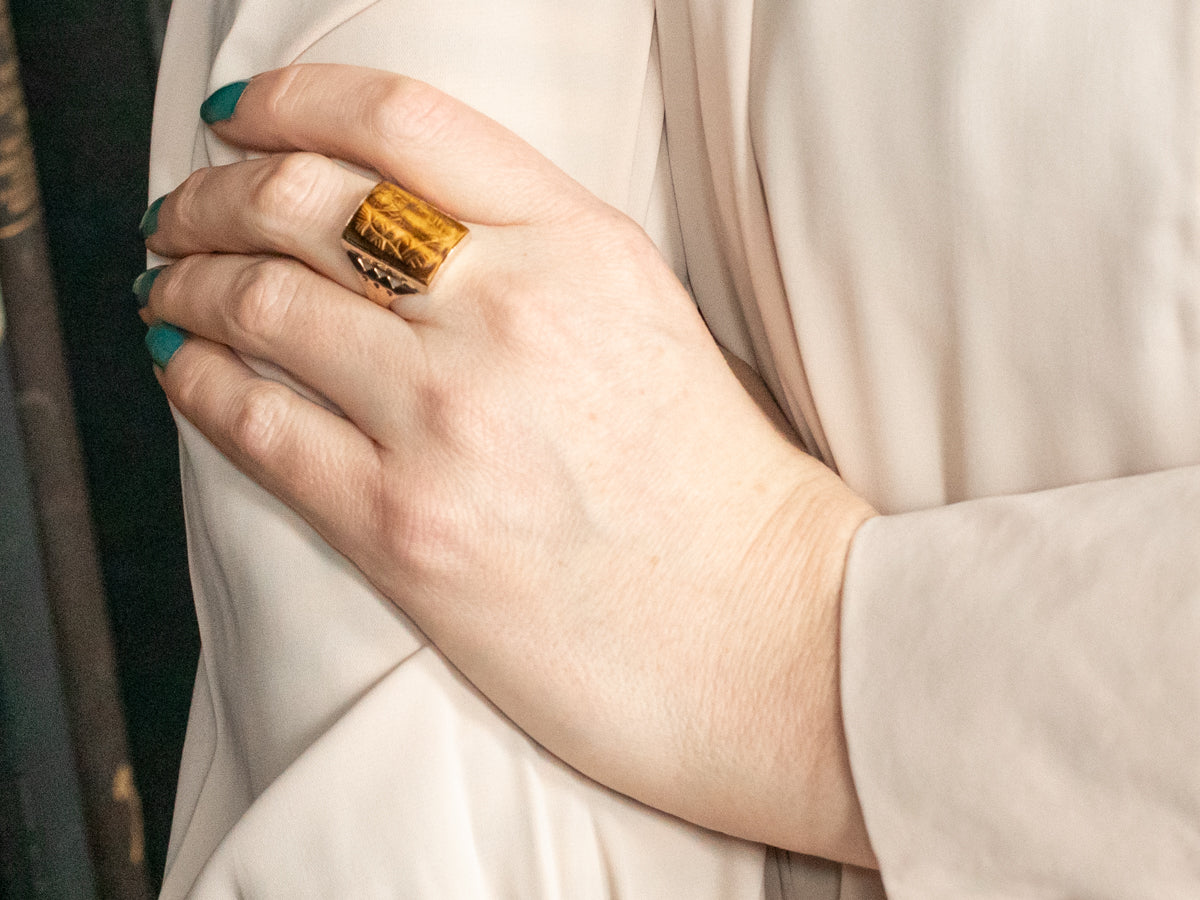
(74,587)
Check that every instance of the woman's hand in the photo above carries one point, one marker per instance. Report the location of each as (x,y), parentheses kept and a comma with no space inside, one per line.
(545,461)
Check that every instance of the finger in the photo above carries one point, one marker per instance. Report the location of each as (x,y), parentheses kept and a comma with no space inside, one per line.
(277,309)
(294,204)
(314,461)
(453,156)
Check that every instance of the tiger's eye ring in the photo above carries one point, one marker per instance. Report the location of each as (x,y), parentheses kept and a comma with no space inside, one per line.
(398,242)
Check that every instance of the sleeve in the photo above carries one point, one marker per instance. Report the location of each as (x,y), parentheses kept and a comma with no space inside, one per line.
(1021,691)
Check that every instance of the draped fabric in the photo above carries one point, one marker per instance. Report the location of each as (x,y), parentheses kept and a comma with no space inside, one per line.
(957,239)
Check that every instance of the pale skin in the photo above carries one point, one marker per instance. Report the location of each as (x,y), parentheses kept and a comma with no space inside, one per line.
(546,462)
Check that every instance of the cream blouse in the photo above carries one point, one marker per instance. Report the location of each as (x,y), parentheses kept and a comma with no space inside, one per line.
(958,239)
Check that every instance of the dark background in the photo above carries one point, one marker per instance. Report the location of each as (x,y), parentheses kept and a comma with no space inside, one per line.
(88,69)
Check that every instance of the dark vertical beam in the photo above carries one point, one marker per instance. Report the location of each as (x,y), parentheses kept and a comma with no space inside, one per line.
(43,843)
(88,71)
(72,572)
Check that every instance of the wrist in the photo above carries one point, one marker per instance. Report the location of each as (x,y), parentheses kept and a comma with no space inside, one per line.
(786,703)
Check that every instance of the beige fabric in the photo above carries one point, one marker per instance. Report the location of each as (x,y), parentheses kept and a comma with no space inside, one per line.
(958,240)
(332,753)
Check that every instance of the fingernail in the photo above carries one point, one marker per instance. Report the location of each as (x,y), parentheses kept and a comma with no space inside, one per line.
(143,283)
(149,223)
(222,102)
(162,340)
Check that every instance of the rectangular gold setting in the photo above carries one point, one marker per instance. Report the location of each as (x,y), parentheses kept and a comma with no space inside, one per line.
(398,242)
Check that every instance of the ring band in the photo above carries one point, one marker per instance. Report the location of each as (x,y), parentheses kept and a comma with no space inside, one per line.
(398,242)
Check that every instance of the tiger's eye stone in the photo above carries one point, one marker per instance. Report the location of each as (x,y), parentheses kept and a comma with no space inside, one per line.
(398,241)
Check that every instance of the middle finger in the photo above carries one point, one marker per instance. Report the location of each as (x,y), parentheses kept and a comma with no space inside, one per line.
(294,204)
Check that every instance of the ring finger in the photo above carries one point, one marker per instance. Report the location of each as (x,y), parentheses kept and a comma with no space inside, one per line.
(279,310)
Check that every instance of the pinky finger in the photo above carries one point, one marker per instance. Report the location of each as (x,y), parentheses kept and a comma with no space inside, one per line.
(313,460)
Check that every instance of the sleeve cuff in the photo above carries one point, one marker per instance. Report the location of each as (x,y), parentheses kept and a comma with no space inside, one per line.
(1021,692)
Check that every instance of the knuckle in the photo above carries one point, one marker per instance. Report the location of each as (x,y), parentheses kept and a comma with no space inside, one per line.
(517,318)
(191,384)
(524,313)
(258,423)
(622,240)
(624,253)
(186,200)
(284,90)
(411,111)
(262,298)
(293,186)
(421,531)
(457,412)
(165,296)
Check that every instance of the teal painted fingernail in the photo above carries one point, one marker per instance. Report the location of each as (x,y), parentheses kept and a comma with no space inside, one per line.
(143,283)
(149,223)
(222,102)
(162,340)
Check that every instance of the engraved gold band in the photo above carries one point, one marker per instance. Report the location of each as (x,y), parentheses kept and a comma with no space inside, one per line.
(398,243)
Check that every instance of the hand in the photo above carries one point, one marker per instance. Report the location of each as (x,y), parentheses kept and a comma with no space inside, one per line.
(546,461)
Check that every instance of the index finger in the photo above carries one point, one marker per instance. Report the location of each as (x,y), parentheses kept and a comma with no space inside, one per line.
(455,157)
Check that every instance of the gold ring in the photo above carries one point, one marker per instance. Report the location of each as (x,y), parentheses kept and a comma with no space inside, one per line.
(398,243)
